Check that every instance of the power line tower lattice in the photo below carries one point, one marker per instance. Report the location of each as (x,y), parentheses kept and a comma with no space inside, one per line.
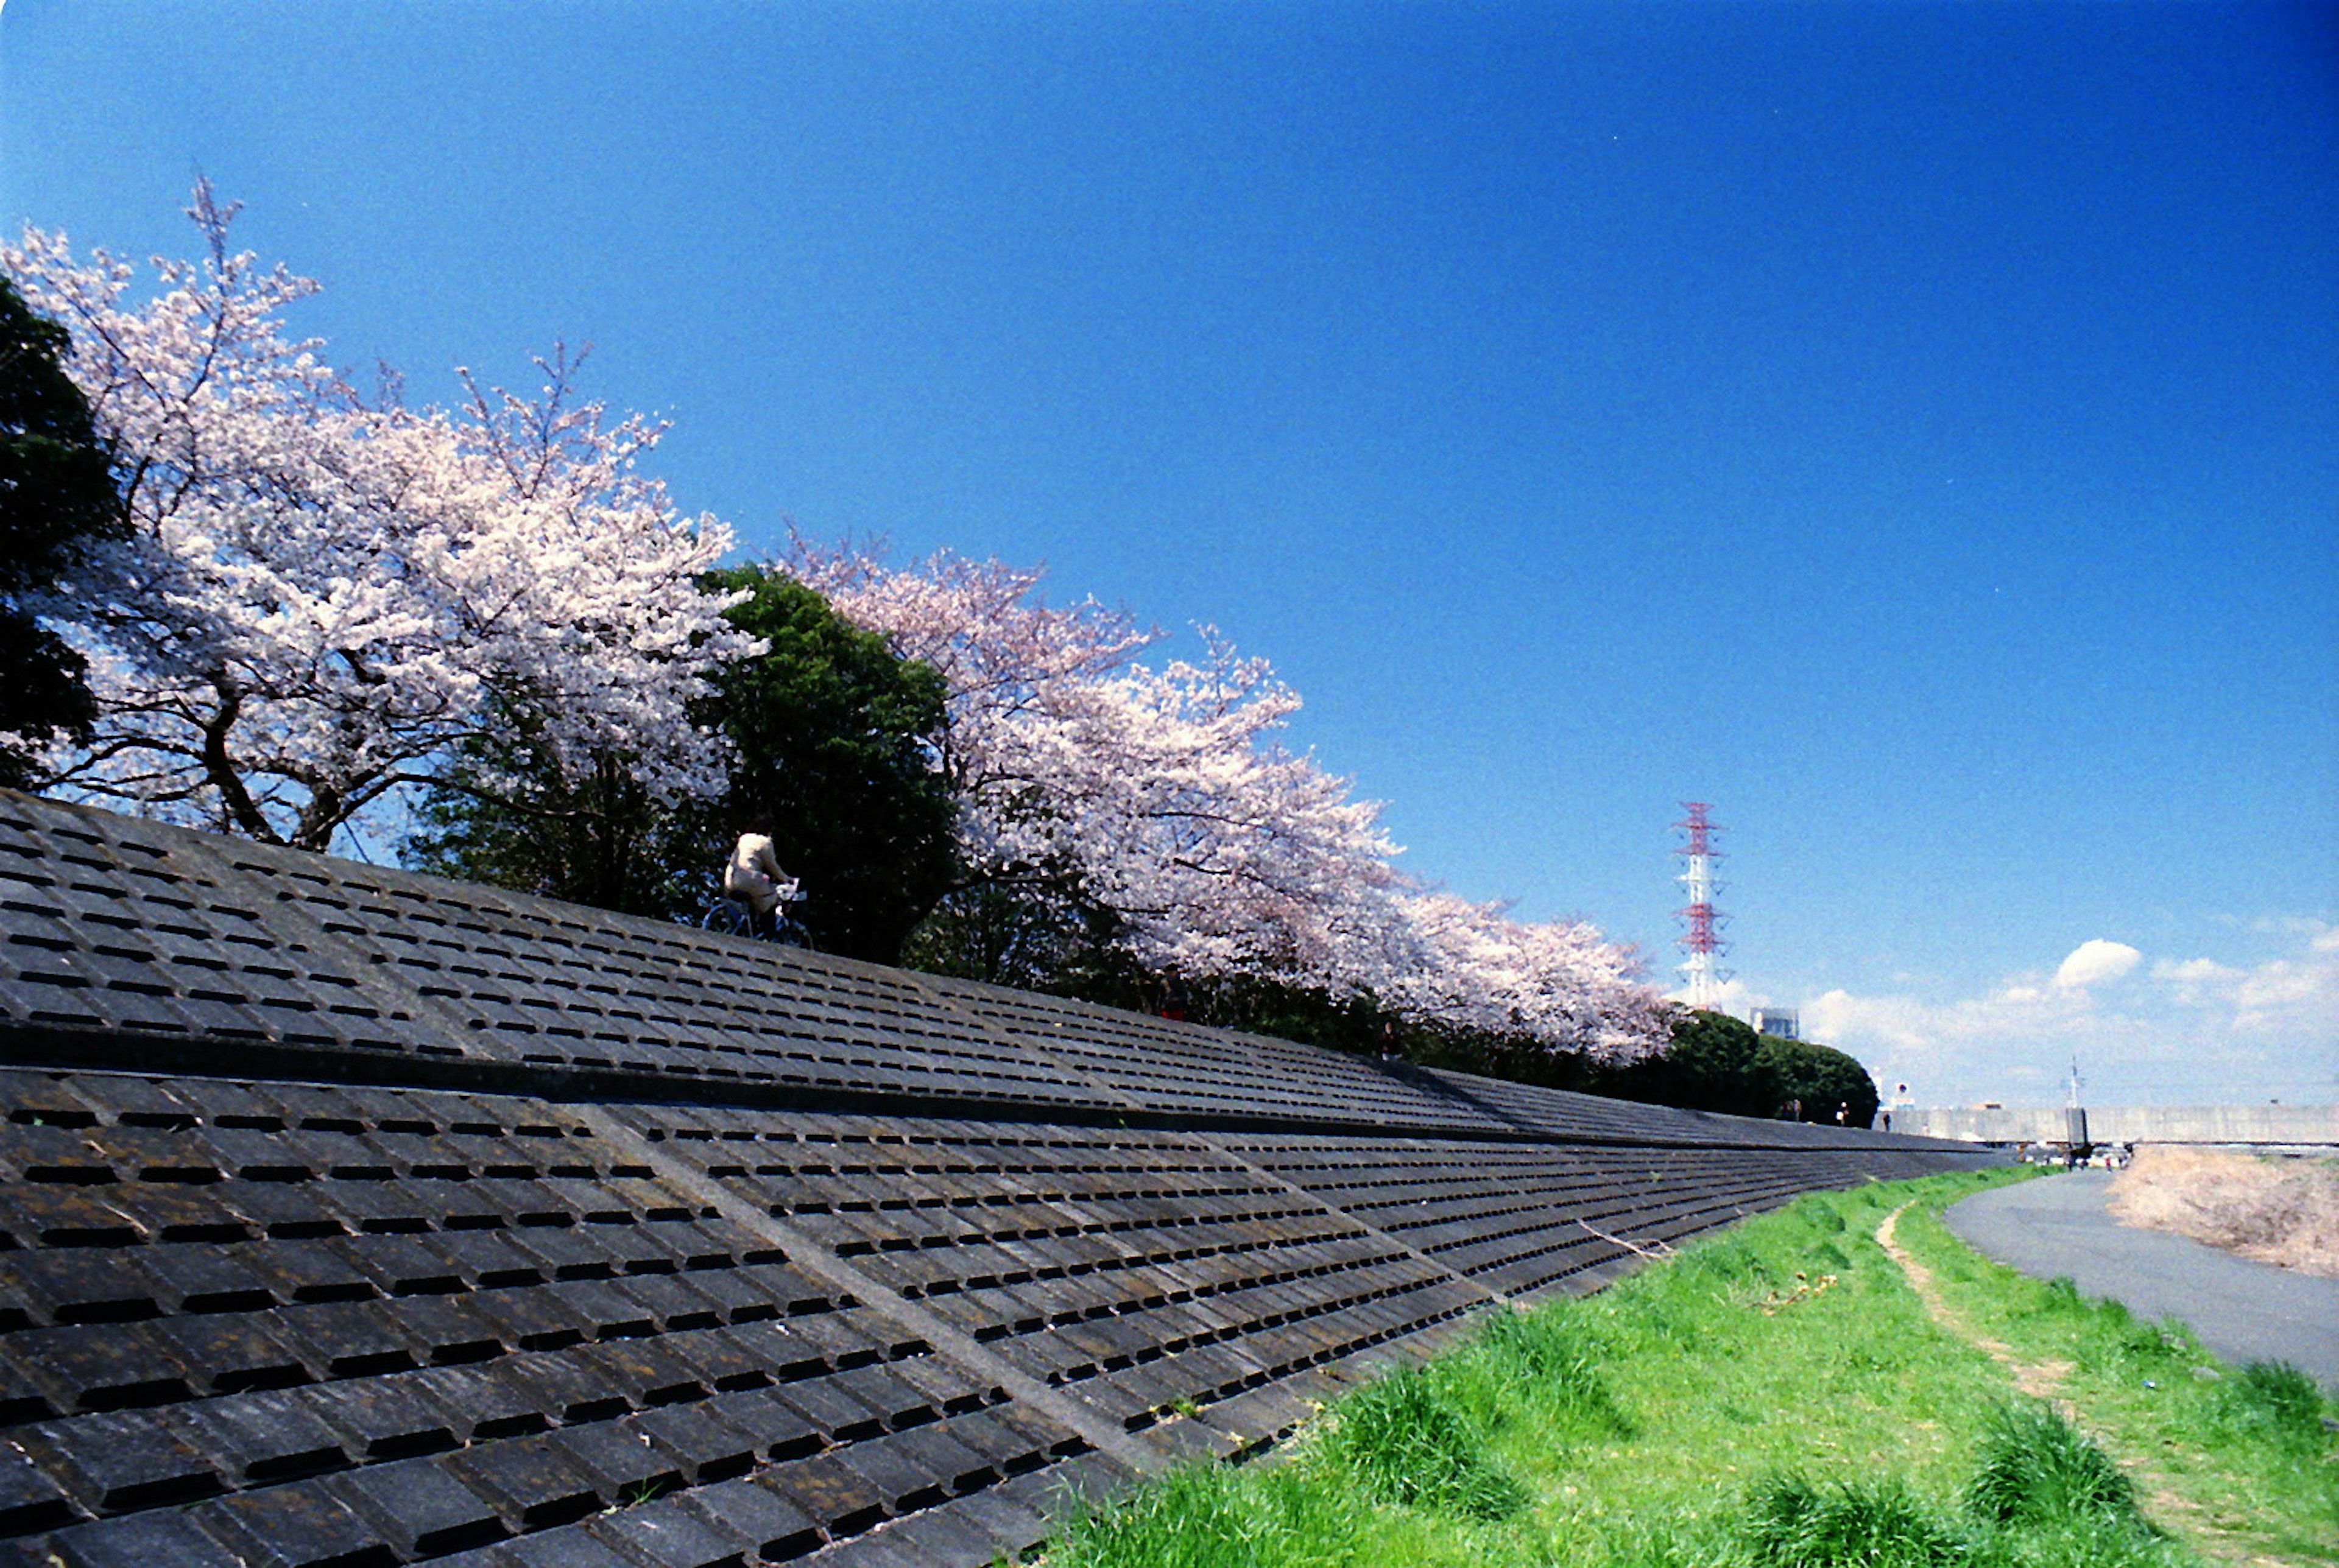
(1700,939)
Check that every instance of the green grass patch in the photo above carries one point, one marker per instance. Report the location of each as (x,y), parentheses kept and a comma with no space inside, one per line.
(1793,1524)
(1414,1439)
(1213,1516)
(2234,1452)
(1773,1397)
(2036,1470)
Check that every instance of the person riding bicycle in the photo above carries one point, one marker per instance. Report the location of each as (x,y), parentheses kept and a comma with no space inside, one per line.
(753,879)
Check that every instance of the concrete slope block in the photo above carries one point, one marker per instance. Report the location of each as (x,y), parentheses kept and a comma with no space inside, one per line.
(355,1217)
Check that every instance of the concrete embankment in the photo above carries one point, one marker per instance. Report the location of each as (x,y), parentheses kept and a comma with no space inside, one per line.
(2279,1125)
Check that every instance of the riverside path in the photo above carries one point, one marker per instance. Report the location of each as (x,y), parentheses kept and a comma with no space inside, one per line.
(2057,1226)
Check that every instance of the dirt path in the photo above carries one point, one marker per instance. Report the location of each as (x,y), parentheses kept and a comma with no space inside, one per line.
(2039,1379)
(2045,1379)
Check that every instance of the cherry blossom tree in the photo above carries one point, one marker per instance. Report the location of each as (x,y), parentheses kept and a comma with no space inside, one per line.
(321,597)
(1559,985)
(1007,658)
(1159,798)
(1221,851)
(1154,792)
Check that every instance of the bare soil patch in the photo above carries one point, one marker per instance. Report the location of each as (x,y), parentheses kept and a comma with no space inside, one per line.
(2270,1209)
(2039,1379)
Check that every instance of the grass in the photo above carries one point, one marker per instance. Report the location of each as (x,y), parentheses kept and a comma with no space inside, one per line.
(1774,1397)
(2036,1470)
(2232,1452)
(1790,1523)
(1413,1439)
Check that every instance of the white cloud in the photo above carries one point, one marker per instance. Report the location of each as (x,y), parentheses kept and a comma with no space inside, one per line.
(2297,993)
(2287,995)
(2197,971)
(2095,963)
(2199,982)
(1897,1021)
(2197,1029)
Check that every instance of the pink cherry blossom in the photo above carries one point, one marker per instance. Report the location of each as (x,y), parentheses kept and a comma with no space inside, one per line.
(323,597)
(1163,791)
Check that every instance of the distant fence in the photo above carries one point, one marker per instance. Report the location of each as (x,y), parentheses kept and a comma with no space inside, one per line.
(2273,1124)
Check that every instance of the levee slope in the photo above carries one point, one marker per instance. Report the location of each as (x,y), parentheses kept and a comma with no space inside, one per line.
(360,1218)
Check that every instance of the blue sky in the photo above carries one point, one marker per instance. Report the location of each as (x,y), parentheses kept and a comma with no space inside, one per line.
(1913,428)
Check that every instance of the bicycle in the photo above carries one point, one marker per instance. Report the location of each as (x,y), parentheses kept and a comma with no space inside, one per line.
(730,917)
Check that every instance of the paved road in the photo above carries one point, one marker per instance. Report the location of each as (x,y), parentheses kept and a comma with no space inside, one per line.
(2243,1311)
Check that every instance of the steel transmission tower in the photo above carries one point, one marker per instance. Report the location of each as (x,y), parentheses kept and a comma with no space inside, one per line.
(1700,940)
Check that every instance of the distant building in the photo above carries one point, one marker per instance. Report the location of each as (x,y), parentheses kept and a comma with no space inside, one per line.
(1779,1021)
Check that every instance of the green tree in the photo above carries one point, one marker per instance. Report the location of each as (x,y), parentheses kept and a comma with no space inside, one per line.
(1714,1062)
(1818,1079)
(835,738)
(57,492)
(833,735)
(1032,934)
(508,817)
